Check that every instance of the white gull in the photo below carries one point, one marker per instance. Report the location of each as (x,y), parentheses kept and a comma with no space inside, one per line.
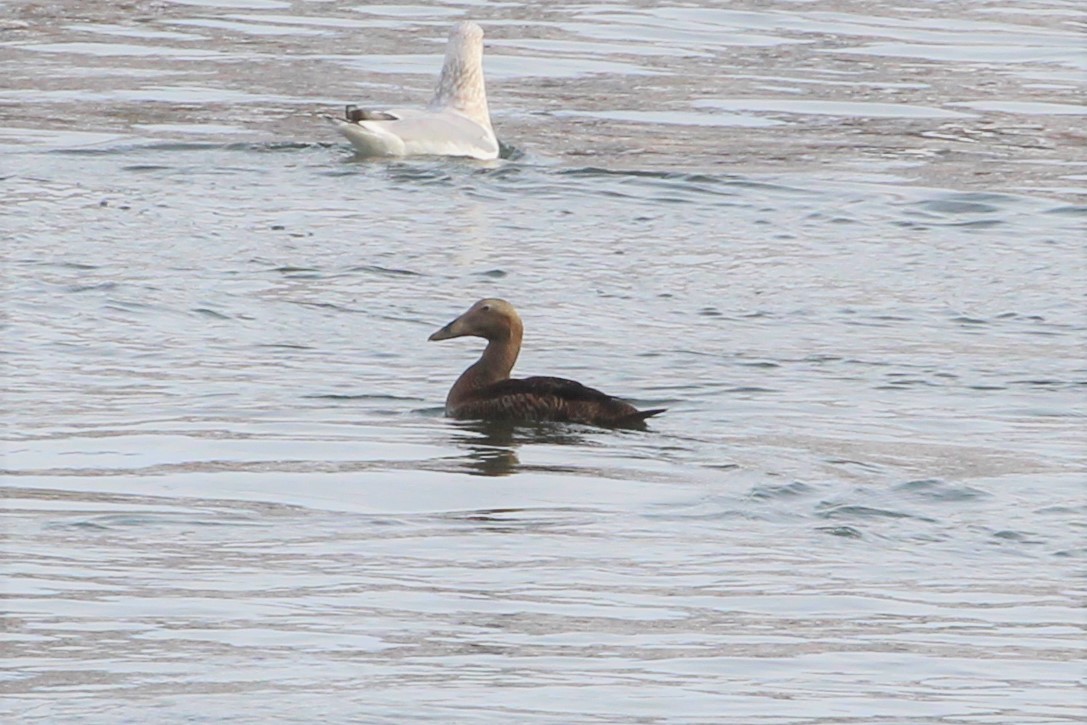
(455,123)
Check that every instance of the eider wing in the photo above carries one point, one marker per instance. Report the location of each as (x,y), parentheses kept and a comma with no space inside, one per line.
(550,399)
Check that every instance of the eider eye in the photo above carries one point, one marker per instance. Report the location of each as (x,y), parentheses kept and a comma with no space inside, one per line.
(485,308)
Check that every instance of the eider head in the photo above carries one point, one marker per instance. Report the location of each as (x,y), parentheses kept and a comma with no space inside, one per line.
(491,319)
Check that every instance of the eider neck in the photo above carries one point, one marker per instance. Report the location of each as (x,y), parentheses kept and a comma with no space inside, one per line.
(503,347)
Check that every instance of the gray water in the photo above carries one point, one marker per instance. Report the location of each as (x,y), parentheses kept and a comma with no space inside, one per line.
(843,243)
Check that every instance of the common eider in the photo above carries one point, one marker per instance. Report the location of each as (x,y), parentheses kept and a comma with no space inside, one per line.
(486,391)
(455,123)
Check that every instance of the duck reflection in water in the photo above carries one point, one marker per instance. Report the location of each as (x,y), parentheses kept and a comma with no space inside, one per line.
(491,445)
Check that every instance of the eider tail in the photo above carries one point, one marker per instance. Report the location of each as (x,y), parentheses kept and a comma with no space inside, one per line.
(637,418)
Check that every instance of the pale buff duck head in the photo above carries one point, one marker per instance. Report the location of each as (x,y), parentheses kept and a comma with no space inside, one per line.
(492,319)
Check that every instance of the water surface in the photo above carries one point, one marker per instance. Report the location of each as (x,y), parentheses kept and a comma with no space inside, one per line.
(842,243)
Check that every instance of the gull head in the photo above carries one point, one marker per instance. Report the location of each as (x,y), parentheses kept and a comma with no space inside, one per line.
(460,85)
(465,34)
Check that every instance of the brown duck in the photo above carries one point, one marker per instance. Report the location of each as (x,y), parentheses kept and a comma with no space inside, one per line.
(486,391)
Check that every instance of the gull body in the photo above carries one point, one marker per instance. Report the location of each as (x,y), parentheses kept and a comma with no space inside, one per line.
(456,122)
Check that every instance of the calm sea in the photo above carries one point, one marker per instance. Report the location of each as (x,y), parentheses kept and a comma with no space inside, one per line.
(842,242)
